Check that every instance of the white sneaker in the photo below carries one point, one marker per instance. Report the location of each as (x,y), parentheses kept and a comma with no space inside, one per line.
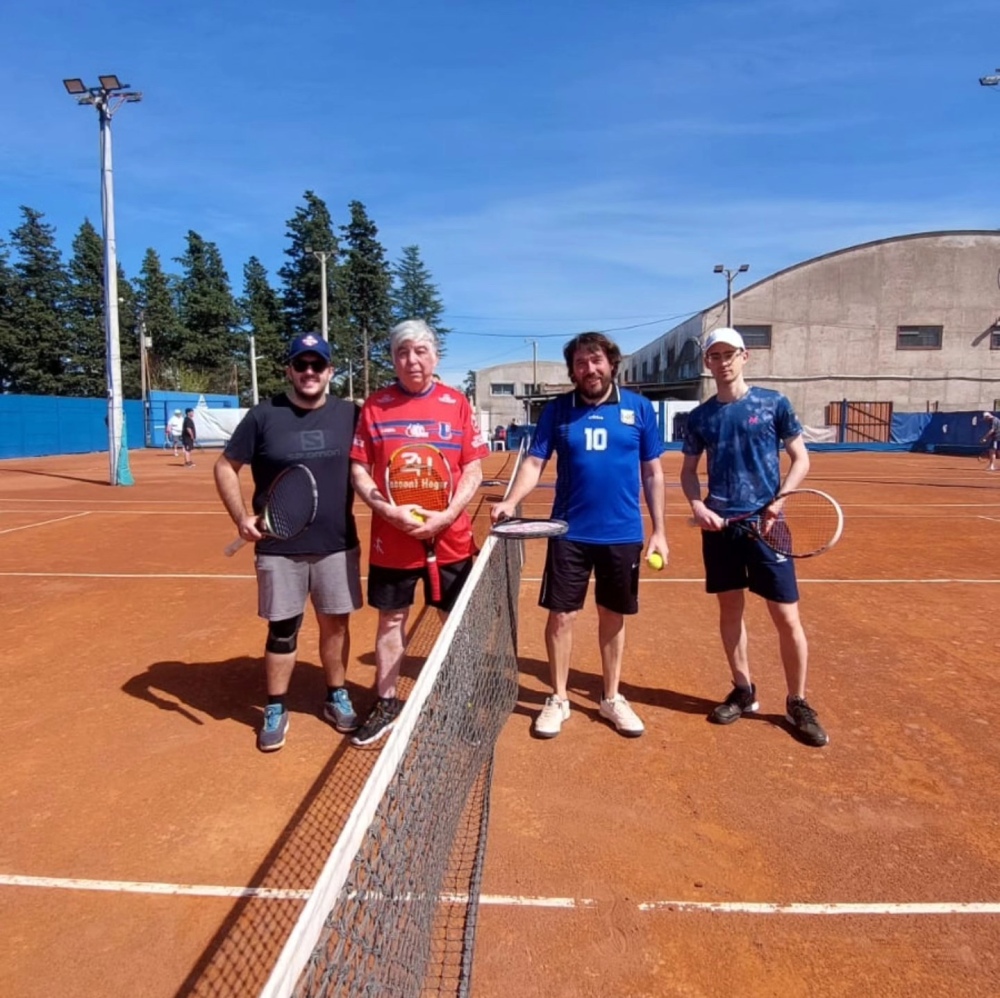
(549,722)
(622,716)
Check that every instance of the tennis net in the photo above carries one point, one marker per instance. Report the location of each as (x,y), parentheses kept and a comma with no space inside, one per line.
(393,912)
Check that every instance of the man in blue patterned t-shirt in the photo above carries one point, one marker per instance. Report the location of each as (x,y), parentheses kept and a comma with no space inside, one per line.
(742,430)
(607,447)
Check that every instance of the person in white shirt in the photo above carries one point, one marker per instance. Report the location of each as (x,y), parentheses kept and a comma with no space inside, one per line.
(175,427)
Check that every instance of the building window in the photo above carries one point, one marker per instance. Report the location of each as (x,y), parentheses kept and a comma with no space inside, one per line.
(501,388)
(995,338)
(755,337)
(530,389)
(919,337)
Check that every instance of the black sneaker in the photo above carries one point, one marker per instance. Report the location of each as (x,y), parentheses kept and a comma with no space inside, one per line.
(378,722)
(804,722)
(739,702)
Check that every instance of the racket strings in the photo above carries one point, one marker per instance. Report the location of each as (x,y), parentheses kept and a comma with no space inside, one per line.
(807,524)
(291,506)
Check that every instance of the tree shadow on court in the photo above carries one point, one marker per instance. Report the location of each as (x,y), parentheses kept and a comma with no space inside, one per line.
(233,689)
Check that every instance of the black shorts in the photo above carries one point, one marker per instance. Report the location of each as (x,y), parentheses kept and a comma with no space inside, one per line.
(568,565)
(395,588)
(736,560)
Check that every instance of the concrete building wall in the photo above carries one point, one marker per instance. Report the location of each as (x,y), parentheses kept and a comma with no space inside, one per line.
(834,323)
(495,408)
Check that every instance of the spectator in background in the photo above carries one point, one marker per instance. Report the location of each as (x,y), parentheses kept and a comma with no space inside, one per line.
(175,426)
(991,437)
(500,435)
(188,436)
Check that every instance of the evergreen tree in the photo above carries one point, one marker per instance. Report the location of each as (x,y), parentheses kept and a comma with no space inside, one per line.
(157,296)
(8,334)
(262,316)
(368,283)
(414,294)
(210,316)
(311,229)
(86,360)
(38,354)
(128,336)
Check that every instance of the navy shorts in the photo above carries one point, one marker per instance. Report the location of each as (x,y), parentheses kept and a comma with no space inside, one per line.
(395,588)
(568,565)
(736,560)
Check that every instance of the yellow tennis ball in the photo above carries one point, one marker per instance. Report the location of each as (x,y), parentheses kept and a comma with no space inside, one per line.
(656,561)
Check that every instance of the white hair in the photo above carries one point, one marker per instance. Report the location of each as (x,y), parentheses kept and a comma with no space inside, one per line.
(412,331)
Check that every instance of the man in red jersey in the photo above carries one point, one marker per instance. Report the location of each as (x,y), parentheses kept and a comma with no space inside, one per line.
(416,408)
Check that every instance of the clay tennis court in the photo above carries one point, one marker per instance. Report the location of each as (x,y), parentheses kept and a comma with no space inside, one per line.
(147,848)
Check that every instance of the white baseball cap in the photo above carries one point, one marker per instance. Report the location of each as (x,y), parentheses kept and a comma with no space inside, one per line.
(723,335)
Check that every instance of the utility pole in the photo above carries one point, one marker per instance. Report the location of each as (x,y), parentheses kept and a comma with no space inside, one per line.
(322,256)
(145,342)
(534,378)
(730,274)
(254,393)
(107,98)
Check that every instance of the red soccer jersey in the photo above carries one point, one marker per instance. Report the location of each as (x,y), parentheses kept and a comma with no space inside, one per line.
(391,418)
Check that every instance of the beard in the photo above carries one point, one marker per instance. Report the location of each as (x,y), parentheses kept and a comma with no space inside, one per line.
(594,388)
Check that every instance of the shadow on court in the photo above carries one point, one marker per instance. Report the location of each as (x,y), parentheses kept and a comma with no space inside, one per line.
(229,690)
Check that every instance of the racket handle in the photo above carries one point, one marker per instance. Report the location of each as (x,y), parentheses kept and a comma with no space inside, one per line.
(434,576)
(233,547)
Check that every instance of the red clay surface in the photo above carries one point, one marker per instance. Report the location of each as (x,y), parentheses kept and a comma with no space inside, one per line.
(133,689)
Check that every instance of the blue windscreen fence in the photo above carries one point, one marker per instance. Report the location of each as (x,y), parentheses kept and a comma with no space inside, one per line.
(42,425)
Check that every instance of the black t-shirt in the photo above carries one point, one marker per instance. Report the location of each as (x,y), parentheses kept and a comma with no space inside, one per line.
(187,429)
(275,434)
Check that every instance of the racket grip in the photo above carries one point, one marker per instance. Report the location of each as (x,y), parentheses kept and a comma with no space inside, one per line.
(233,547)
(434,576)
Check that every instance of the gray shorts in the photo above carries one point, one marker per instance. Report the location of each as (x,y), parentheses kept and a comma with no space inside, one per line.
(284,581)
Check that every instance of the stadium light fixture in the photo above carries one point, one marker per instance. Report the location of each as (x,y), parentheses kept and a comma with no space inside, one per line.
(989,81)
(730,274)
(106,99)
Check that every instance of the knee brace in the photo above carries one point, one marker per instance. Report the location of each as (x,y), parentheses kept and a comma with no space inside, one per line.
(283,635)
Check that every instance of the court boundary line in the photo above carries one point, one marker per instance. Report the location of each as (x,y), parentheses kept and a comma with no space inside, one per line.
(840,908)
(42,523)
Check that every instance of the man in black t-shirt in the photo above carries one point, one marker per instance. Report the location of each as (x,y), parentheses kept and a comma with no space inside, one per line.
(188,436)
(303,426)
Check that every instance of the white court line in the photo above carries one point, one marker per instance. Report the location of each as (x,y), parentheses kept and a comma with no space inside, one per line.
(833,908)
(42,523)
(522,901)
(687,581)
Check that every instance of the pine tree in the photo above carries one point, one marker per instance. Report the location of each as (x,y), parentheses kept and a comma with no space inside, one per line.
(86,361)
(368,283)
(210,316)
(310,229)
(156,295)
(8,330)
(38,354)
(262,316)
(415,295)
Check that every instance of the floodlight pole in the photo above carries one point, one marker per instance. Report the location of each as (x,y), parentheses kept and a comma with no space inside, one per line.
(730,274)
(107,97)
(254,392)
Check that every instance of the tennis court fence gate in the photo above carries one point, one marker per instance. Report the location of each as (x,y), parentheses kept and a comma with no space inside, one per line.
(860,422)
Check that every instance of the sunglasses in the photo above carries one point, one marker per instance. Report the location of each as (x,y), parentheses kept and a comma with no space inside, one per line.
(301,365)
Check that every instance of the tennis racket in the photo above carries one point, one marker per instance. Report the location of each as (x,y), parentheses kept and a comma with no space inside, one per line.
(289,507)
(419,475)
(808,523)
(527,527)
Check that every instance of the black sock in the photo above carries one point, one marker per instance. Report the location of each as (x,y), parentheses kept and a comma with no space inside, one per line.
(278,700)
(330,690)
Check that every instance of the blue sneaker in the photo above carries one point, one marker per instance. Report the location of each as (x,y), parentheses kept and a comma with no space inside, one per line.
(271,736)
(339,711)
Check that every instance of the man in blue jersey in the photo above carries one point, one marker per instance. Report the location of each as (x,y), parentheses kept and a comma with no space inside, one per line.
(742,429)
(607,446)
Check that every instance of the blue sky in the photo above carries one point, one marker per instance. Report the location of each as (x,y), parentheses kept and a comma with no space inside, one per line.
(561,165)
